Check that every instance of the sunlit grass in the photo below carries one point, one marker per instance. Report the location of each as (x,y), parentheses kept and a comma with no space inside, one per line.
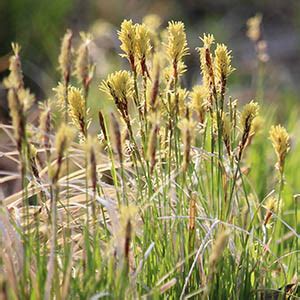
(179,196)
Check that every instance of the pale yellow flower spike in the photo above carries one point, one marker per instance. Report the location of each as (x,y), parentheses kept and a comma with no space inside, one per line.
(82,63)
(15,78)
(206,59)
(77,109)
(199,102)
(281,142)
(60,95)
(177,44)
(26,98)
(65,56)
(223,66)
(208,40)
(249,112)
(182,95)
(118,85)
(127,36)
(253,24)
(187,127)
(153,23)
(63,138)
(143,46)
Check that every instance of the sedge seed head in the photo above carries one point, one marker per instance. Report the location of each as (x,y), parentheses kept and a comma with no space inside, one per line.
(45,126)
(60,91)
(181,96)
(127,37)
(226,126)
(82,63)
(218,248)
(118,85)
(16,113)
(116,137)
(128,222)
(222,61)
(77,109)
(187,127)
(271,204)
(32,151)
(176,47)
(208,40)
(168,71)
(198,98)
(249,112)
(154,120)
(153,23)
(65,56)
(281,143)
(143,47)
(257,125)
(152,90)
(192,212)
(91,144)
(253,25)
(206,59)
(63,139)
(15,78)
(26,97)
(44,120)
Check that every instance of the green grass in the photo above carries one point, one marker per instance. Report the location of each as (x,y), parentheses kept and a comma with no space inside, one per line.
(186,227)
